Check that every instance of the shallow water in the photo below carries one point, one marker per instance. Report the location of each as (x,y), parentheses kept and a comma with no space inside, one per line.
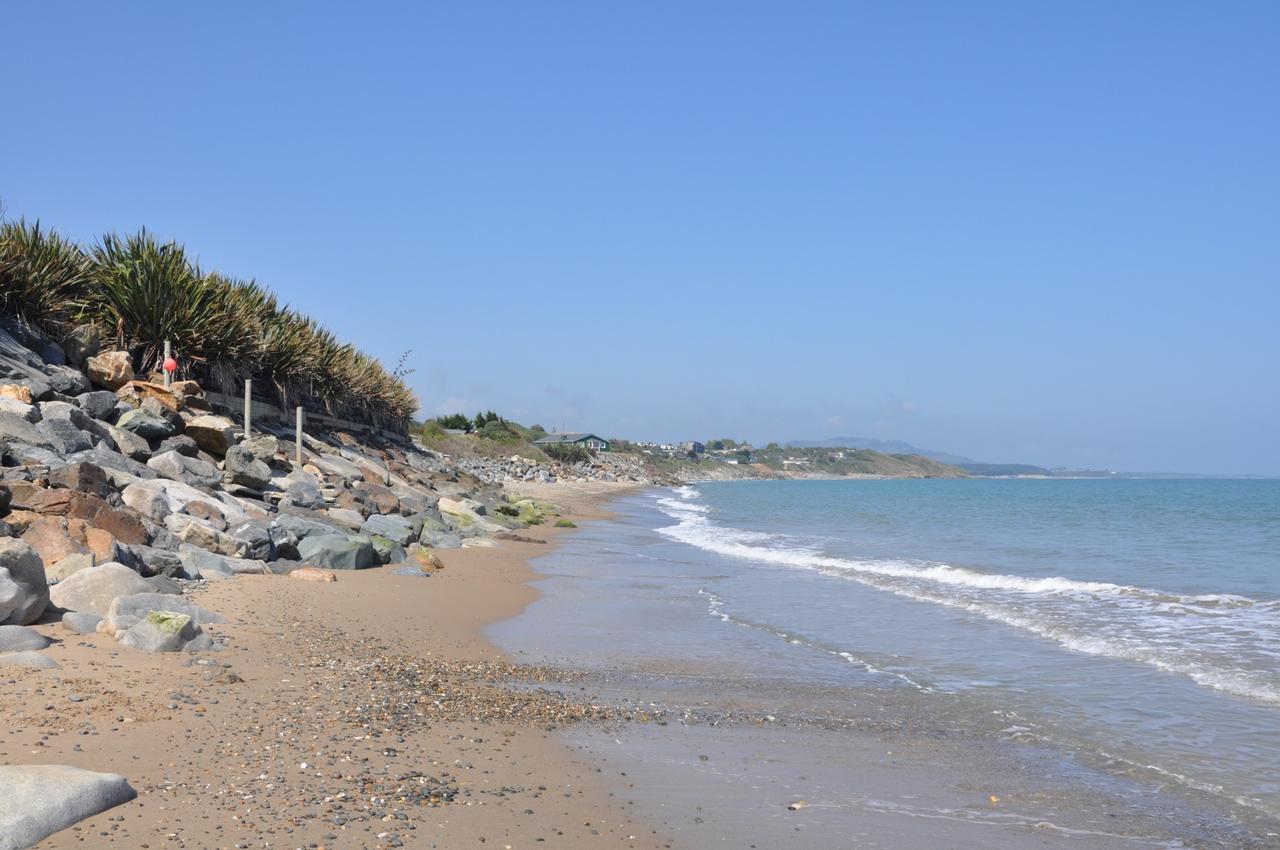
(1131,626)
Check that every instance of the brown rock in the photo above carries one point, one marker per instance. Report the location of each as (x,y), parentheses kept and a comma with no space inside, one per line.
(28,496)
(124,524)
(100,543)
(214,434)
(17,392)
(379,499)
(51,540)
(346,500)
(208,512)
(83,477)
(112,370)
(136,393)
(427,558)
(312,574)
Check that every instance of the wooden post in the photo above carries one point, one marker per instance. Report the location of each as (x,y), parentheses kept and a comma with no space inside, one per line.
(168,376)
(298,443)
(248,401)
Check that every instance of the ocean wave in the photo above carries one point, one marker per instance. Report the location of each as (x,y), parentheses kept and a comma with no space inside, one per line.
(1219,641)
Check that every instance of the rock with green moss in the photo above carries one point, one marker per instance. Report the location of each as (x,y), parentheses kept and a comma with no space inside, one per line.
(566,523)
(166,631)
(389,551)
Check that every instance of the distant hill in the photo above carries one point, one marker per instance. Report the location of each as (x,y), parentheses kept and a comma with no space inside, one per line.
(1003,469)
(888,447)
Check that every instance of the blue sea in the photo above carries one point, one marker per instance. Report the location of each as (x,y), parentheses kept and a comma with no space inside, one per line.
(1131,626)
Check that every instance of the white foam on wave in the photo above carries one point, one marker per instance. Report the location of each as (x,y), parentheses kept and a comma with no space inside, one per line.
(1210,638)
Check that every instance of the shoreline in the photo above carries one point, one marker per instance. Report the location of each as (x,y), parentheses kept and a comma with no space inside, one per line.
(321,730)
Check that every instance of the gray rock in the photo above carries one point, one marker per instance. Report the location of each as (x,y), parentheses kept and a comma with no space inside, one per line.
(305,495)
(128,611)
(24,588)
(83,342)
(145,425)
(34,660)
(108,459)
(16,429)
(129,444)
(197,563)
(397,528)
(180,443)
(389,551)
(264,448)
(151,560)
(43,799)
(161,497)
(20,638)
(188,470)
(302,527)
(63,437)
(441,540)
(337,552)
(411,570)
(95,588)
(21,409)
(81,622)
(19,454)
(67,381)
(70,565)
(164,584)
(245,469)
(165,631)
(100,404)
(256,536)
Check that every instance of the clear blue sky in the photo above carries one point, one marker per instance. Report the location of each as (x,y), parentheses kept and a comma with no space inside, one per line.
(1017,231)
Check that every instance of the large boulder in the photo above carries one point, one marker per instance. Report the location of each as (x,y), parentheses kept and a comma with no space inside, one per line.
(80,622)
(95,588)
(26,496)
(180,443)
(129,444)
(245,469)
(337,552)
(24,589)
(33,660)
(214,434)
(379,499)
(100,404)
(21,638)
(145,425)
(305,495)
(52,539)
(127,611)
(197,563)
(166,631)
(160,497)
(202,534)
(17,429)
(67,381)
(21,409)
(63,437)
(188,470)
(264,448)
(112,369)
(69,565)
(301,527)
(40,800)
(393,527)
(81,343)
(107,459)
(84,478)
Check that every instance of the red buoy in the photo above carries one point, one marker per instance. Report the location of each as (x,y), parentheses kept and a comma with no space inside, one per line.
(170,365)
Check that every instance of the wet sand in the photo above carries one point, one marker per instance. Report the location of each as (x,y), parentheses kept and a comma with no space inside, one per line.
(370,712)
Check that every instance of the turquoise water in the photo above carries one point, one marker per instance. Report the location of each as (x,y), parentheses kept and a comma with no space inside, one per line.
(1134,625)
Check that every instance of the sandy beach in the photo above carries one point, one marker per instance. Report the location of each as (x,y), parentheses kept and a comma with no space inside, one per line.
(370,712)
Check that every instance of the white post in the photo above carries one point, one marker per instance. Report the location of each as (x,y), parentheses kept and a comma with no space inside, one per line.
(298,443)
(248,400)
(168,376)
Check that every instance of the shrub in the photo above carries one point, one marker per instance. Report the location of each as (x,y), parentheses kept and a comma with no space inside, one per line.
(566,523)
(568,452)
(455,422)
(43,278)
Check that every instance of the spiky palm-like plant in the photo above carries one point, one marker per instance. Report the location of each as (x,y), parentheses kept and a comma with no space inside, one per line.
(153,293)
(44,278)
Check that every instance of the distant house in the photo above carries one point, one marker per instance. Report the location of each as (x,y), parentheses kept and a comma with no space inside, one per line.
(693,447)
(590,441)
